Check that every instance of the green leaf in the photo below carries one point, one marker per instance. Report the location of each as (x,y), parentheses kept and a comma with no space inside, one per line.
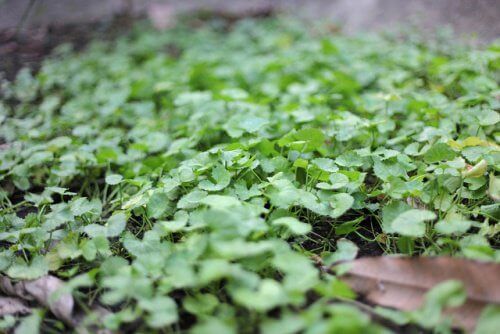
(221,177)
(439,152)
(340,204)
(220,201)
(454,224)
(213,325)
(346,251)
(113,179)
(180,221)
(36,269)
(201,303)
(489,321)
(487,117)
(349,159)
(162,311)
(494,188)
(287,324)
(82,206)
(337,181)
(158,205)
(390,212)
(31,323)
(335,288)
(191,200)
(115,225)
(238,124)
(444,295)
(411,223)
(293,225)
(325,164)
(304,140)
(60,191)
(314,138)
(245,193)
(268,295)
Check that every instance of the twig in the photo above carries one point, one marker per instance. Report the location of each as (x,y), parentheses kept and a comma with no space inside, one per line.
(23,19)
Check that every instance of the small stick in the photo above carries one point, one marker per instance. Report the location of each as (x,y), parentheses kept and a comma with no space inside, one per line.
(24,17)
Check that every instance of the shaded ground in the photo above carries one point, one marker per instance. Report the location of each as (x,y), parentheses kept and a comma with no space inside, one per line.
(22,49)
(30,29)
(476,19)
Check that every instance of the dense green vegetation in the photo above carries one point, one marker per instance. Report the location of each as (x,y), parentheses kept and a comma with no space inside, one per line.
(200,179)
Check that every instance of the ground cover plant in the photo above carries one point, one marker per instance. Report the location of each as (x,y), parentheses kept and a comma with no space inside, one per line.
(205,179)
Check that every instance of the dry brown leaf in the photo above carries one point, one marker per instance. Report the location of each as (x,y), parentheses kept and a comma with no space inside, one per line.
(161,15)
(6,286)
(9,305)
(41,290)
(401,283)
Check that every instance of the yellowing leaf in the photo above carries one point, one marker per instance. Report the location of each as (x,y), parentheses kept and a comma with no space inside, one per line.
(477,170)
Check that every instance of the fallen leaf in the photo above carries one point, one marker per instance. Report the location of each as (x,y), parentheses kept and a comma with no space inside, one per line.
(10,306)
(401,283)
(46,292)
(6,286)
(477,170)
(161,15)
(42,290)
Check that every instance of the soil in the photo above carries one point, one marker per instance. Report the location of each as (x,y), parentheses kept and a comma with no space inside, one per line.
(28,48)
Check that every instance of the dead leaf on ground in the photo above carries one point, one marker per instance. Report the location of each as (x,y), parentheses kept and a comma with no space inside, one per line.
(42,290)
(11,306)
(45,291)
(401,283)
(161,15)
